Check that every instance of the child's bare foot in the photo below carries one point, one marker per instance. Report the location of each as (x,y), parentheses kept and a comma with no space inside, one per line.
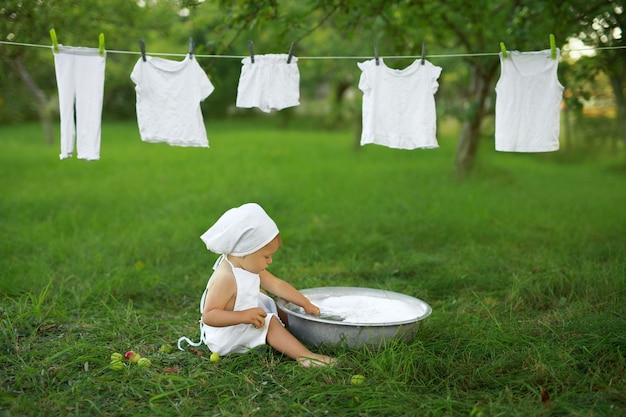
(315,360)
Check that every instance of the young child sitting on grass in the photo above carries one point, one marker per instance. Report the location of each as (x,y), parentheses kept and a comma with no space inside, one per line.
(236,314)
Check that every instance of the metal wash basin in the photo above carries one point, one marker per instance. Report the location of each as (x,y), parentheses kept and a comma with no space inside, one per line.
(367,317)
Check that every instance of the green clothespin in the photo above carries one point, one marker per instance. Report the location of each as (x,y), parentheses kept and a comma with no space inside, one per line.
(552,46)
(101,43)
(55,42)
(503,49)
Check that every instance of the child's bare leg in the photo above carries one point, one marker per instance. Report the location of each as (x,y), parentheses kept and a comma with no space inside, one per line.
(280,339)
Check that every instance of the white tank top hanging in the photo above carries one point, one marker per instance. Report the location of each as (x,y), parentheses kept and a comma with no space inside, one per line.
(528,102)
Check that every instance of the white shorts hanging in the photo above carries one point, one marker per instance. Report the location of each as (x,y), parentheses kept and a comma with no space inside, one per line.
(269,83)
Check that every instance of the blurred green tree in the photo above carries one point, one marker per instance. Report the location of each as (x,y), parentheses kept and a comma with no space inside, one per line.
(457,26)
(76,23)
(322,28)
(599,28)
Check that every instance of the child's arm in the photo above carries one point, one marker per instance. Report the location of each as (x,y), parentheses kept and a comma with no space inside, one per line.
(219,303)
(283,289)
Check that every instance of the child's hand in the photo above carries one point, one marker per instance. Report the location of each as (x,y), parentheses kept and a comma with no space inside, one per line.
(311,308)
(254,316)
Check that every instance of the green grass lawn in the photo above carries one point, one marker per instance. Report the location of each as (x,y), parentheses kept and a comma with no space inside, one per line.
(524,265)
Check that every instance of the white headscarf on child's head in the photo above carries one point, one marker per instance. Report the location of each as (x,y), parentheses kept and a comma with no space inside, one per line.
(240,231)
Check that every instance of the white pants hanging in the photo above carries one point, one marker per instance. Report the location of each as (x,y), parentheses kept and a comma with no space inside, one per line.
(80,81)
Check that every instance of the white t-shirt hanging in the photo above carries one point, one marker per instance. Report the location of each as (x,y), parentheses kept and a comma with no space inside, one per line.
(269,83)
(399,105)
(528,102)
(168,101)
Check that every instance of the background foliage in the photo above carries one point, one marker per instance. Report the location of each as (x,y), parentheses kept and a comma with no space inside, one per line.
(318,28)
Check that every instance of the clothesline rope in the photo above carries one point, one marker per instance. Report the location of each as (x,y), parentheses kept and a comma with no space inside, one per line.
(480,54)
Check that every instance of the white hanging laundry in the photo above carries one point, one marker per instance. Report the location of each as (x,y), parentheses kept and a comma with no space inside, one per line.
(80,82)
(399,105)
(528,102)
(269,83)
(168,101)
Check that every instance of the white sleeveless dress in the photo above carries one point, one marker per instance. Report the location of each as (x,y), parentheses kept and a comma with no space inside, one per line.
(240,337)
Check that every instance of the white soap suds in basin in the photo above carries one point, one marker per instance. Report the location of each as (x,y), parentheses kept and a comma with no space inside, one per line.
(367,309)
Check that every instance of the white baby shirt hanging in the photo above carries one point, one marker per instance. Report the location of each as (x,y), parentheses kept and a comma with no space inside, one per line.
(169,94)
(528,102)
(80,80)
(399,105)
(270,82)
